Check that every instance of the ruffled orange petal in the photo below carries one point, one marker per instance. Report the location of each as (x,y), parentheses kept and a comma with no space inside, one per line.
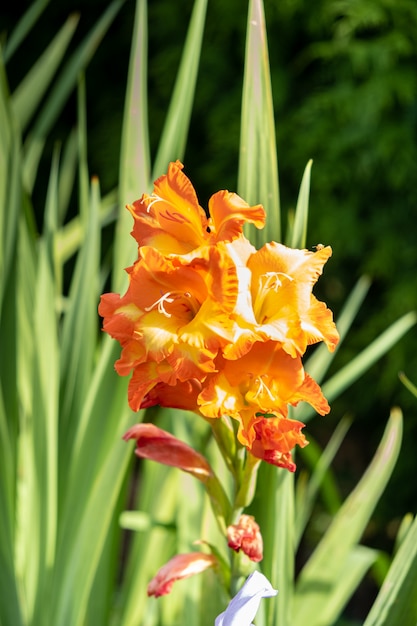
(229,212)
(182,395)
(171,218)
(311,392)
(318,325)
(275,438)
(144,378)
(282,283)
(264,381)
(220,397)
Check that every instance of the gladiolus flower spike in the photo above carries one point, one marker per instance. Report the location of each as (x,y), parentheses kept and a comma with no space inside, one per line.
(212,325)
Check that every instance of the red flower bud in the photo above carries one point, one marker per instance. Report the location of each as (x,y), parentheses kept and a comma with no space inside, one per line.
(158,445)
(180,566)
(246,536)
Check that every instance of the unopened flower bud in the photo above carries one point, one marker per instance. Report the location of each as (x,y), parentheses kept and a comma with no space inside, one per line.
(246,536)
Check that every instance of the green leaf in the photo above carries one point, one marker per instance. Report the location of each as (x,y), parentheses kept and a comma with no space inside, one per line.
(150,550)
(319,362)
(70,237)
(79,329)
(31,90)
(10,612)
(258,169)
(174,135)
(325,572)
(135,520)
(134,167)
(353,569)
(37,510)
(357,366)
(67,171)
(408,384)
(273,509)
(298,233)
(11,193)
(25,25)
(320,462)
(396,602)
(98,500)
(59,93)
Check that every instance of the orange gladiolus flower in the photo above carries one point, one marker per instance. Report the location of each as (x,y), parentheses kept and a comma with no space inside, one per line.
(246,536)
(282,283)
(180,566)
(172,220)
(283,308)
(265,380)
(173,319)
(210,324)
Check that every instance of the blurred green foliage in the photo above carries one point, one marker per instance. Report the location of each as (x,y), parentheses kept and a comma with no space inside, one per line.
(345,93)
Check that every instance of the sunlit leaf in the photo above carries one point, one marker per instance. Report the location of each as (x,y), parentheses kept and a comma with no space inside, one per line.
(258,169)
(396,602)
(325,572)
(298,233)
(174,135)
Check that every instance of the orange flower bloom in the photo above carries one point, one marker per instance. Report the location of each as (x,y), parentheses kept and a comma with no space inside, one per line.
(180,566)
(173,319)
(283,306)
(265,380)
(212,325)
(274,440)
(171,219)
(246,536)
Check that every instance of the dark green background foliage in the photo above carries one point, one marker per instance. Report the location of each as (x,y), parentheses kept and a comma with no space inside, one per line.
(344,80)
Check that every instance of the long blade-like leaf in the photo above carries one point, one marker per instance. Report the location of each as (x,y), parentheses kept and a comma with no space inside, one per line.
(30,91)
(357,366)
(10,182)
(61,90)
(396,602)
(174,135)
(79,332)
(324,571)
(258,169)
(38,514)
(24,26)
(320,461)
(134,169)
(298,235)
(273,509)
